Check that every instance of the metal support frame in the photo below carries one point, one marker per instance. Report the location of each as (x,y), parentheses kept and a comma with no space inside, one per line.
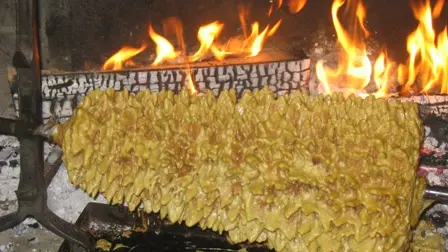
(35,173)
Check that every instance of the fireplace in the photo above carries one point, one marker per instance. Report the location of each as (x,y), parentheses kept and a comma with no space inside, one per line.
(157,45)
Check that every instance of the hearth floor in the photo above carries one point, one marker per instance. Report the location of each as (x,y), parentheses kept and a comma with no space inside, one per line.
(28,236)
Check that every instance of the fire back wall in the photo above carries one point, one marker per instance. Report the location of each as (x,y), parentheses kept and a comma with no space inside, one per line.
(79,35)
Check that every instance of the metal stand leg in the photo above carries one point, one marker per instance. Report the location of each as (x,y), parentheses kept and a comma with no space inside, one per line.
(35,174)
(64,229)
(10,220)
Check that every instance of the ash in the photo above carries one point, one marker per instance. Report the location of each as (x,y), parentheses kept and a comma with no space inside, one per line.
(67,201)
(64,199)
(438,215)
(9,173)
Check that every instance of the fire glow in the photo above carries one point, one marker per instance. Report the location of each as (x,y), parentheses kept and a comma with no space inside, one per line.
(249,44)
(241,46)
(425,71)
(426,68)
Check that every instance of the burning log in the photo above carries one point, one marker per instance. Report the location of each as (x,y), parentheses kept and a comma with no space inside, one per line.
(291,172)
(62,92)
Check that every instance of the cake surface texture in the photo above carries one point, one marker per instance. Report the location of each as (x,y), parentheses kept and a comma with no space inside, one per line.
(298,172)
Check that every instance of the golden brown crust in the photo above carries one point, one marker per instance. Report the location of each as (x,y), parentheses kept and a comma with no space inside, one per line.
(301,173)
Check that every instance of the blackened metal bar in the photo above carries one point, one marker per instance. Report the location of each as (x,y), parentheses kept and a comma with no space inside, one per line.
(13,127)
(32,190)
(24,39)
(31,193)
(66,230)
(52,164)
(8,126)
(10,220)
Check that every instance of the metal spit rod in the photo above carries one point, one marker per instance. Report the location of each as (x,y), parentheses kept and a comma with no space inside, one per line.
(438,193)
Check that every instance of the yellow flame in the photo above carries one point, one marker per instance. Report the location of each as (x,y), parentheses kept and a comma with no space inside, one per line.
(428,53)
(189,83)
(245,45)
(257,41)
(354,65)
(164,49)
(206,36)
(383,71)
(174,25)
(116,61)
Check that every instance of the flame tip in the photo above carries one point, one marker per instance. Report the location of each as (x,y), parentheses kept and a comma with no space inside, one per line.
(428,54)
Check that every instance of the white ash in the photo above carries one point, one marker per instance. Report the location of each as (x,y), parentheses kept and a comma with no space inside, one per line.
(440,211)
(435,104)
(433,144)
(437,177)
(9,176)
(116,229)
(26,236)
(63,198)
(7,247)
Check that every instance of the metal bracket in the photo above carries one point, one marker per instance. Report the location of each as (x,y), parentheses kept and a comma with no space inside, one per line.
(35,173)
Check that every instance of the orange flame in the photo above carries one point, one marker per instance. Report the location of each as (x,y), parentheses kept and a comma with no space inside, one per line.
(278,5)
(122,56)
(243,13)
(256,40)
(428,55)
(296,5)
(189,83)
(354,64)
(383,71)
(174,24)
(164,49)
(207,35)
(426,66)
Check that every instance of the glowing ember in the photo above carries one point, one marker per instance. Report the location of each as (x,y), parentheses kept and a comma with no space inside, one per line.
(118,59)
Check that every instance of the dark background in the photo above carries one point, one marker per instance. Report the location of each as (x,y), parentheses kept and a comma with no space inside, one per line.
(88,31)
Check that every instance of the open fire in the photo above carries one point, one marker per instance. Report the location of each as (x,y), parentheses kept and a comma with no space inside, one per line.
(244,45)
(425,71)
